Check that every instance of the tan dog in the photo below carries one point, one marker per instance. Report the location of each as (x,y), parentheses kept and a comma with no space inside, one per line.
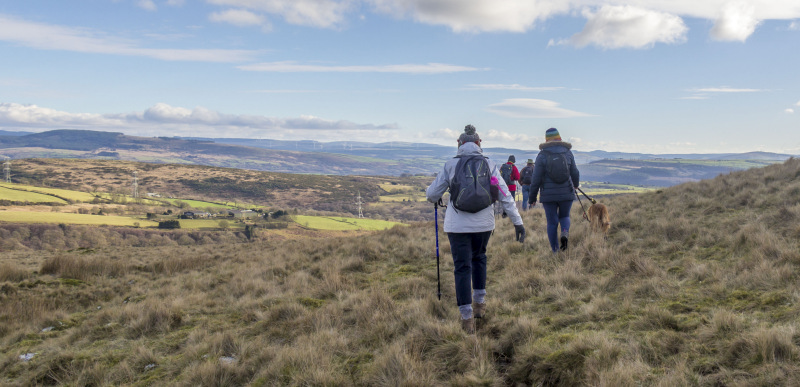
(598,215)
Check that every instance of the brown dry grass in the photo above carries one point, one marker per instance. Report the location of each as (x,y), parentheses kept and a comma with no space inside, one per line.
(696,285)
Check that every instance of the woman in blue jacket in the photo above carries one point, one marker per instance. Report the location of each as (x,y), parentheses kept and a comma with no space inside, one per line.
(556,177)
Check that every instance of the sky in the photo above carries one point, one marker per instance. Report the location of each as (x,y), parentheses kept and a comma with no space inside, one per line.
(648,76)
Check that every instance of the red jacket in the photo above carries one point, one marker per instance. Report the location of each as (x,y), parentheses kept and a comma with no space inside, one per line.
(514,177)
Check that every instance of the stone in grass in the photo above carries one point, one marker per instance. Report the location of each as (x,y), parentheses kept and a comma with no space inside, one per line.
(227,360)
(149,367)
(27,356)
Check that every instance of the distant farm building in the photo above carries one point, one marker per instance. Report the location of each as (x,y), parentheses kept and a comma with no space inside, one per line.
(195,215)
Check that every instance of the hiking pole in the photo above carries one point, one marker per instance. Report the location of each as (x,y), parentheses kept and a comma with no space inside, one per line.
(436,222)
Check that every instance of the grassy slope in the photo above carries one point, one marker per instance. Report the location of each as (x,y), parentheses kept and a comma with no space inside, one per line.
(59,193)
(69,218)
(340,223)
(16,195)
(696,285)
(199,182)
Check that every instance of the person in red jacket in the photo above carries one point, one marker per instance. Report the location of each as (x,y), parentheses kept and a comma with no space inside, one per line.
(510,175)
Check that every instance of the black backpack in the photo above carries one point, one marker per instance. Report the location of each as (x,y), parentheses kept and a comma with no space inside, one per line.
(505,172)
(557,167)
(526,175)
(471,187)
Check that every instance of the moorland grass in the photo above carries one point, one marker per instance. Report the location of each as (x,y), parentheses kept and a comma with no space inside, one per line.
(695,285)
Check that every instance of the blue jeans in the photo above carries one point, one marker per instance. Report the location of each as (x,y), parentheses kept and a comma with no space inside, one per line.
(526,192)
(469,261)
(557,212)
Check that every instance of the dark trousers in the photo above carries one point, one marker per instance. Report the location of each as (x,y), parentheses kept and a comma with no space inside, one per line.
(469,260)
(557,212)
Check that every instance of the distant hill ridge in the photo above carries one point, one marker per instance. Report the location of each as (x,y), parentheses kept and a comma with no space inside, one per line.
(344,157)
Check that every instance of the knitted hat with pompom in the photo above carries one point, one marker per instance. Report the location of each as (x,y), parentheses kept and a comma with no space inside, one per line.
(469,135)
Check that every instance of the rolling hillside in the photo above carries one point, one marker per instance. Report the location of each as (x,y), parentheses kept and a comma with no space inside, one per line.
(331,193)
(696,285)
(116,146)
(353,158)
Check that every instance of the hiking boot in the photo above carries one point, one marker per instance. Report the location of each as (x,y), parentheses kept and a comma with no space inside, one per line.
(564,241)
(468,325)
(479,309)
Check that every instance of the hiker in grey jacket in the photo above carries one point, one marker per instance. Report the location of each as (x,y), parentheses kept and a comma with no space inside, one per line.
(556,197)
(469,232)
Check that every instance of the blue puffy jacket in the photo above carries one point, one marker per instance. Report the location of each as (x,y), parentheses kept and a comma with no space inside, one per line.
(550,190)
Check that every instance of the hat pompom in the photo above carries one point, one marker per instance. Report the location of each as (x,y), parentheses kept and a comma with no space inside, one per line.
(469,135)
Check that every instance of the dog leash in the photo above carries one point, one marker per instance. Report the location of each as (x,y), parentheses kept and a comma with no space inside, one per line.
(587,196)
(579,201)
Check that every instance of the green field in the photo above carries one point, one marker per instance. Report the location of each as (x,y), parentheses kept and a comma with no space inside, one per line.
(68,218)
(391,188)
(199,224)
(593,188)
(25,196)
(76,196)
(340,224)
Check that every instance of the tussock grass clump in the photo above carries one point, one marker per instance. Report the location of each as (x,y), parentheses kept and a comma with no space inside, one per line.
(695,285)
(13,273)
(82,268)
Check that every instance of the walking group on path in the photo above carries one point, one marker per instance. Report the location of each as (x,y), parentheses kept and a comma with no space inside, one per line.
(476,183)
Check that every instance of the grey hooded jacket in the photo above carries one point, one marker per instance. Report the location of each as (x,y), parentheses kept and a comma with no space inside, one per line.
(465,222)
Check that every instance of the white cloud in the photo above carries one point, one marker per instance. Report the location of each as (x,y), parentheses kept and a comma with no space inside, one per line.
(447,134)
(52,37)
(794,26)
(292,67)
(532,108)
(737,22)
(162,119)
(790,111)
(513,87)
(724,89)
(316,13)
(148,5)
(628,27)
(501,136)
(798,103)
(175,3)
(703,92)
(475,15)
(491,137)
(237,17)
(615,24)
